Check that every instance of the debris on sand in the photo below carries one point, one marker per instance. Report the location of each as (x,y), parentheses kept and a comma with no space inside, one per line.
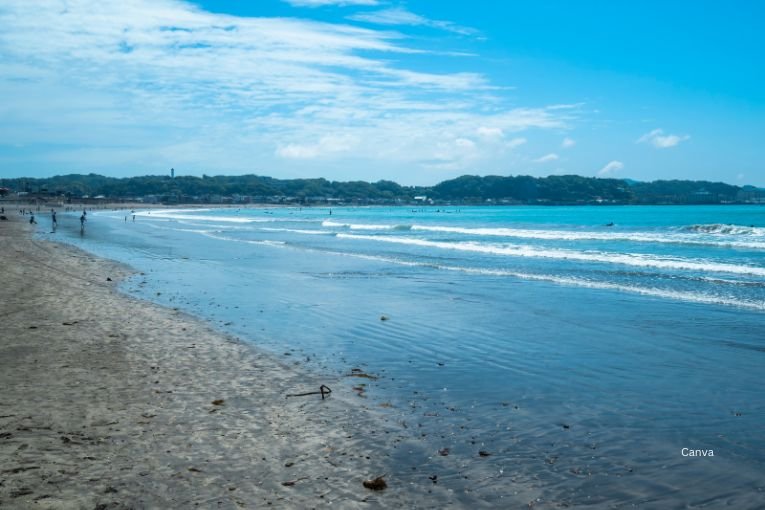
(323,390)
(218,402)
(376,484)
(290,483)
(357,372)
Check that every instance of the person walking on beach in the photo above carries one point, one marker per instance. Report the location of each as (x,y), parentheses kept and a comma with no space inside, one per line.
(82,222)
(32,219)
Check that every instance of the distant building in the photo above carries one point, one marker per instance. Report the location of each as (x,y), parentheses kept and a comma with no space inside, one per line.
(172,173)
(751,195)
(701,196)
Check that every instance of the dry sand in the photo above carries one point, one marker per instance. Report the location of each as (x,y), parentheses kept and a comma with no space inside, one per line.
(106,402)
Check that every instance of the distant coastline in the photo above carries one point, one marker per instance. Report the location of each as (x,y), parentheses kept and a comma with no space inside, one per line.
(96,189)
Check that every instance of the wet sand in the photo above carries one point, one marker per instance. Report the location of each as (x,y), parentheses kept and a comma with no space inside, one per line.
(110,402)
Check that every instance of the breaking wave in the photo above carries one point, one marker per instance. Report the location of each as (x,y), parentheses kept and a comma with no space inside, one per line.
(629,259)
(726,229)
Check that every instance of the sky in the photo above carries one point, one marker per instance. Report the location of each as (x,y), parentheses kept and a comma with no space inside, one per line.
(413,91)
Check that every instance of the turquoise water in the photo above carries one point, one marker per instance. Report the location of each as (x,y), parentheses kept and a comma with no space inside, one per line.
(583,347)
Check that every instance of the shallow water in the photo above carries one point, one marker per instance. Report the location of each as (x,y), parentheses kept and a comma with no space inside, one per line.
(582,357)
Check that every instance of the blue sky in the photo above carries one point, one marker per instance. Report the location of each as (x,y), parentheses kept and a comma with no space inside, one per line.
(413,91)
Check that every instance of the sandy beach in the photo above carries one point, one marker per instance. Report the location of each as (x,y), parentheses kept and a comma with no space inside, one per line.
(108,402)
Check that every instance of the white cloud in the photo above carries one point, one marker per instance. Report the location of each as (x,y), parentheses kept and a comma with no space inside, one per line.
(454,81)
(567,143)
(661,141)
(547,158)
(400,16)
(515,142)
(570,106)
(325,146)
(140,85)
(464,143)
(611,167)
(490,132)
(321,3)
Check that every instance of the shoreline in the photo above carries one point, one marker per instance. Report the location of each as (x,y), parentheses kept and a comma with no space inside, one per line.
(113,402)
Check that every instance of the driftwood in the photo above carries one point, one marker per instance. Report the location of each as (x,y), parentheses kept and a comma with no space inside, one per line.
(323,390)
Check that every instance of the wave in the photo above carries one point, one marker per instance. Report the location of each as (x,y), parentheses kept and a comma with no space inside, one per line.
(187,215)
(695,297)
(175,229)
(299,231)
(264,242)
(629,259)
(683,237)
(566,235)
(179,216)
(723,228)
(363,226)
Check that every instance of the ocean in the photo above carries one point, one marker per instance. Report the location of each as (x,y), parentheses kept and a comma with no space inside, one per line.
(584,350)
